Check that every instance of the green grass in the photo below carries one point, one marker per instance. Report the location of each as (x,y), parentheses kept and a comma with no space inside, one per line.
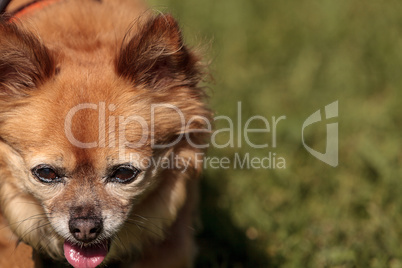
(292,58)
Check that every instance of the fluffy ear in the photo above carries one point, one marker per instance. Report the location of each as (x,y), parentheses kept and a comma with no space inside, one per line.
(157,58)
(24,61)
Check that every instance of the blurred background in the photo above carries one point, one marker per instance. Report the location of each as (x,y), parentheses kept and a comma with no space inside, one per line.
(292,58)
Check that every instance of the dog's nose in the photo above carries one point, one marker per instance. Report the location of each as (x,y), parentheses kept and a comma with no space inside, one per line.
(85,229)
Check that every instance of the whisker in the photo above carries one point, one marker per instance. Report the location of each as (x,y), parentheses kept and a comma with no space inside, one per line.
(139,225)
(34,228)
(33,217)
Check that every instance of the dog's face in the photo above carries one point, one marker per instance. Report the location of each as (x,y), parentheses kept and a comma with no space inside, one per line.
(81,136)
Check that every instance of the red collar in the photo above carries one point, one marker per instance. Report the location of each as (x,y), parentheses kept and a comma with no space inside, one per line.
(30,8)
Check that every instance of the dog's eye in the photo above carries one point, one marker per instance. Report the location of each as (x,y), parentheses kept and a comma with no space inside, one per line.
(124,174)
(46,174)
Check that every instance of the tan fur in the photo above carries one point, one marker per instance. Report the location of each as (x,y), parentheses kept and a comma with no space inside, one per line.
(101,53)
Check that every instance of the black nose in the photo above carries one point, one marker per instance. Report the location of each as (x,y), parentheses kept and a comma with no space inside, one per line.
(85,229)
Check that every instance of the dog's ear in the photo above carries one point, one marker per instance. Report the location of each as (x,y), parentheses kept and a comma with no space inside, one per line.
(25,62)
(157,58)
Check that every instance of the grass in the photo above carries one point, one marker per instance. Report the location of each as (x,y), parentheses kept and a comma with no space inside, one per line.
(292,58)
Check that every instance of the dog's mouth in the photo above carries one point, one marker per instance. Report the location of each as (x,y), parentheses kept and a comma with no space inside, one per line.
(88,256)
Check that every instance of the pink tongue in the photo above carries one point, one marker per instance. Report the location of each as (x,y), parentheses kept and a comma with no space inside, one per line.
(85,257)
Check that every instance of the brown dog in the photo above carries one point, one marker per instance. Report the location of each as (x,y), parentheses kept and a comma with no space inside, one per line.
(102,128)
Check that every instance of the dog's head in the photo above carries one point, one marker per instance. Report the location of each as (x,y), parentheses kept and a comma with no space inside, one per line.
(96,146)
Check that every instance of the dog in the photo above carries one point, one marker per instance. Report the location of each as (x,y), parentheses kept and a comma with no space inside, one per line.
(103,124)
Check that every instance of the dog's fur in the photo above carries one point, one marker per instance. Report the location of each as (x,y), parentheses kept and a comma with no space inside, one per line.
(115,55)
